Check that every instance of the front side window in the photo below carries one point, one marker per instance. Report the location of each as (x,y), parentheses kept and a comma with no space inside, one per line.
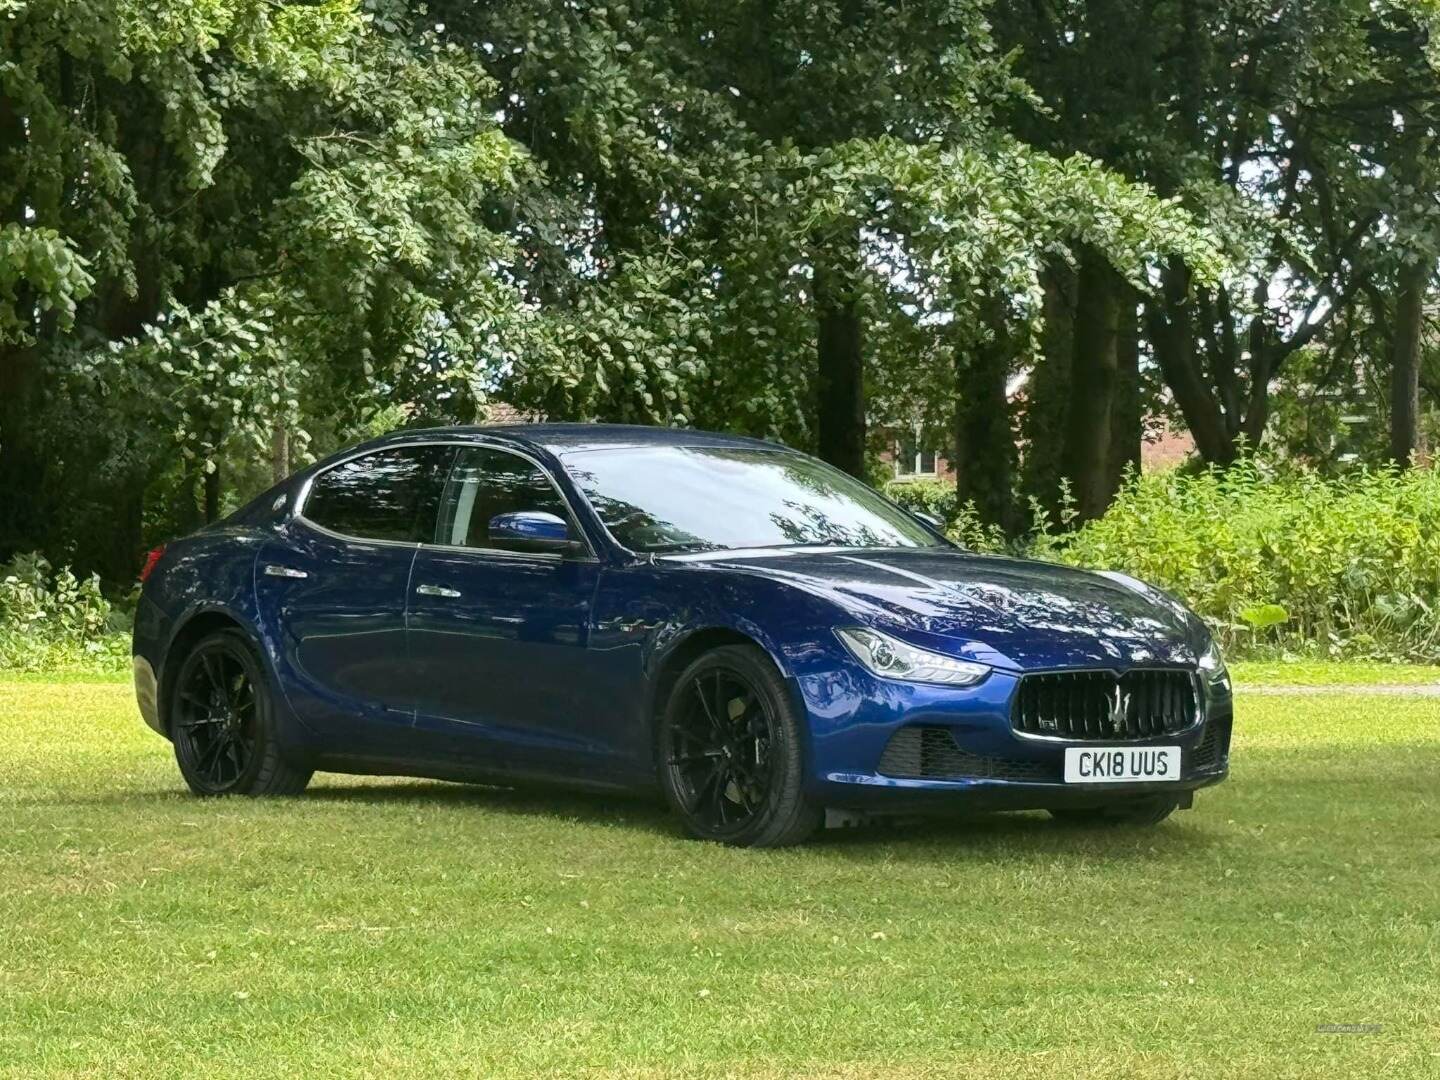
(705,498)
(388,495)
(485,482)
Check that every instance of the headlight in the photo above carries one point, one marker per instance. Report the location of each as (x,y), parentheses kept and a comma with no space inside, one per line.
(1212,668)
(891,658)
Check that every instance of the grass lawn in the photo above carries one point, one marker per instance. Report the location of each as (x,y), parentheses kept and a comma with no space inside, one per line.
(1312,673)
(396,928)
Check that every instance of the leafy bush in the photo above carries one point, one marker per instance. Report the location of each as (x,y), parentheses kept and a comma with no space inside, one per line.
(49,619)
(1283,562)
(1279,561)
(939,500)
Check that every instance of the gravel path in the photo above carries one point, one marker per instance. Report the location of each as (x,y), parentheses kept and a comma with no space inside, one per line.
(1392,689)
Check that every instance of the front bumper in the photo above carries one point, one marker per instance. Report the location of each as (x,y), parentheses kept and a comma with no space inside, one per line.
(984,764)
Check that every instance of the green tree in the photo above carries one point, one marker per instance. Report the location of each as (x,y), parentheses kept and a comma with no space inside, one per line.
(1290,130)
(212,212)
(791,164)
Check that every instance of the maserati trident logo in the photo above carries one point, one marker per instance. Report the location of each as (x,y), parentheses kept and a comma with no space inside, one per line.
(1119,710)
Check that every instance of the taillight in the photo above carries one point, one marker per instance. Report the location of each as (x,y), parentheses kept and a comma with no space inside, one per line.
(151,558)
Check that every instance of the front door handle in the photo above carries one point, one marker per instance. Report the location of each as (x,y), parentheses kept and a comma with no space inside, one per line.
(437,590)
(272,570)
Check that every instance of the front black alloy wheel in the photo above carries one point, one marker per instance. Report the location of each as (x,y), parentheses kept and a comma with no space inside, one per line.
(730,752)
(222,723)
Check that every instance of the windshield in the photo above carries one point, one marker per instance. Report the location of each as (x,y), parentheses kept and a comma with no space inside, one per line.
(705,498)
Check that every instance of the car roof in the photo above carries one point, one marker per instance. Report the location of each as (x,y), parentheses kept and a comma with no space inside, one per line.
(568,438)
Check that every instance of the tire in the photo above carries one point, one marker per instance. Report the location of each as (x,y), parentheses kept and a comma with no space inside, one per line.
(1151,810)
(221,718)
(730,752)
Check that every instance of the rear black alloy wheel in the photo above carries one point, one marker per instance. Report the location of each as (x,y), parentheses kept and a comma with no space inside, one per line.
(222,724)
(730,752)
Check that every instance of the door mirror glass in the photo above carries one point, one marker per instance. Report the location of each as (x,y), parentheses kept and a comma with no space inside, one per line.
(530,530)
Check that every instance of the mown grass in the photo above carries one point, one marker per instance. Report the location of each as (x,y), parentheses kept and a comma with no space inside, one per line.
(399,928)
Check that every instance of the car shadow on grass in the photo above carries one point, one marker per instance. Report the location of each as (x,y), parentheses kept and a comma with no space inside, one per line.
(882,837)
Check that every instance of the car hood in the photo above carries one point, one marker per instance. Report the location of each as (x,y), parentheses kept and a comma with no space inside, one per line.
(1012,613)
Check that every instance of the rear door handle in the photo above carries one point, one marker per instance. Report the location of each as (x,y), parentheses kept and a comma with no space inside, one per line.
(272,570)
(437,590)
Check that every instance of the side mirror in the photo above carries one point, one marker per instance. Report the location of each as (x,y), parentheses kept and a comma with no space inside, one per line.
(929,519)
(531,530)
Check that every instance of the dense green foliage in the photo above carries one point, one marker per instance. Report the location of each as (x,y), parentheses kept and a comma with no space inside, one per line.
(238,233)
(223,224)
(1279,561)
(233,232)
(1304,133)
(1293,563)
(52,621)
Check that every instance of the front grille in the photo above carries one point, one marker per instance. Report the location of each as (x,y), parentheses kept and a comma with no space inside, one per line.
(1083,705)
(930,753)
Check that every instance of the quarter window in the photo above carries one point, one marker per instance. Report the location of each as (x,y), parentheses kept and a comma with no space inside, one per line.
(486,482)
(388,495)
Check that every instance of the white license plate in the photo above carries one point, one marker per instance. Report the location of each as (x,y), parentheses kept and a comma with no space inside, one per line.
(1121,764)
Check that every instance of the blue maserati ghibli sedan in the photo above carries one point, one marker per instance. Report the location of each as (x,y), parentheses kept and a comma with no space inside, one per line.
(756,635)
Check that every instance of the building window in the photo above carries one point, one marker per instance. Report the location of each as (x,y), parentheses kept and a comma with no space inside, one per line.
(911,456)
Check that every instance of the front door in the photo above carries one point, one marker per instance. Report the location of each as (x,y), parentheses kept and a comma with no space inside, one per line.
(499,637)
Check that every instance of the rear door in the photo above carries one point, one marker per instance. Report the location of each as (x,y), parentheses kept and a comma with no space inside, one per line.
(333,584)
(499,638)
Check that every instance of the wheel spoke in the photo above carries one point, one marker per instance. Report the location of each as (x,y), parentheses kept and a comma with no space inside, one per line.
(721,713)
(712,716)
(245,698)
(195,700)
(695,726)
(718,796)
(744,800)
(700,789)
(199,721)
(210,758)
(227,688)
(234,753)
(692,759)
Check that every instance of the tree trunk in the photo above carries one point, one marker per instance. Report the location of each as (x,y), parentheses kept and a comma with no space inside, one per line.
(984,441)
(1048,393)
(118,560)
(22,467)
(212,495)
(188,513)
(1172,335)
(279,452)
(1405,362)
(1094,377)
(1126,419)
(840,427)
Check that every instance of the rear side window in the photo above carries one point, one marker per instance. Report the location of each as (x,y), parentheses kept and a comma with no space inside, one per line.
(387,495)
(488,482)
